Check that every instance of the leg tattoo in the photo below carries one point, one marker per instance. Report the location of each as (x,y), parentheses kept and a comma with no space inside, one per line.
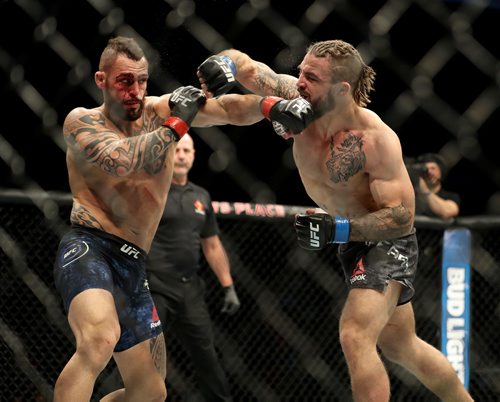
(159,354)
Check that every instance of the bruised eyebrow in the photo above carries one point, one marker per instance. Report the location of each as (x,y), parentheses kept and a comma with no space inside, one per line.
(131,75)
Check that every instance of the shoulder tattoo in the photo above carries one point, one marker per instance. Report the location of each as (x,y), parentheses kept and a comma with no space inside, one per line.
(146,150)
(346,159)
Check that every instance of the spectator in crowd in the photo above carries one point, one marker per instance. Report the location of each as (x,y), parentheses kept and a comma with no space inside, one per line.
(428,172)
(188,226)
(431,198)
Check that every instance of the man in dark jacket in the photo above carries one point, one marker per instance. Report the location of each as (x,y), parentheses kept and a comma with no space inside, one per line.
(431,198)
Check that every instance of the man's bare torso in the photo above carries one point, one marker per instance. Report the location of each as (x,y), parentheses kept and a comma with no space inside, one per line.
(336,168)
(130,206)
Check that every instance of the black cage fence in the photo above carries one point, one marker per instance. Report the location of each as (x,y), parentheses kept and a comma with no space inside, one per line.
(436,87)
(282,345)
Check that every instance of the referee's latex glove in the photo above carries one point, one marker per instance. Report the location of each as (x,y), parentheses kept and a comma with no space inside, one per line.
(231,301)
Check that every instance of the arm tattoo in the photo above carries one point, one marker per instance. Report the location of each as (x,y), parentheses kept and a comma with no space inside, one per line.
(387,223)
(347,159)
(159,354)
(120,157)
(82,216)
(278,85)
(156,163)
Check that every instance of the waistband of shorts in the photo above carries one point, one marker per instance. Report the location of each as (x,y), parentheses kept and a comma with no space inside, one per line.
(109,236)
(349,245)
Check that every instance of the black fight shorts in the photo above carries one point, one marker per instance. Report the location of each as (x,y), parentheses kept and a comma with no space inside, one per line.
(93,259)
(371,265)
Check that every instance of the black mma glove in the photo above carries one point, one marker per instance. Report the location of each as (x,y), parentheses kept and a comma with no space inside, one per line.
(287,115)
(219,73)
(184,103)
(231,301)
(315,231)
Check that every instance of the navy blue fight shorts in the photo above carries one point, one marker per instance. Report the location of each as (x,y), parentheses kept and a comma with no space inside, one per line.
(93,259)
(371,265)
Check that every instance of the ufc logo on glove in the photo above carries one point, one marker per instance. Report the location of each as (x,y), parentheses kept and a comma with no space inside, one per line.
(314,233)
(226,69)
(180,99)
(300,105)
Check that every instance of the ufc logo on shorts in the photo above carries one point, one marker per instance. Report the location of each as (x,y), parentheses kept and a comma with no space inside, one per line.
(314,235)
(394,252)
(226,69)
(129,250)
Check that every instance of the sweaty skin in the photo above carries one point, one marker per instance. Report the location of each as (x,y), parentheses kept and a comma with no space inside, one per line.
(351,165)
(120,174)
(120,162)
(158,350)
(349,160)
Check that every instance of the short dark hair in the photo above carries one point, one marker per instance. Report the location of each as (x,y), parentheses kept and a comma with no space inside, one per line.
(436,158)
(120,45)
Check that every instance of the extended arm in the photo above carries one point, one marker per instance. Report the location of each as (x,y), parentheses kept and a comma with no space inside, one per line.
(89,136)
(219,73)
(239,110)
(253,75)
(292,115)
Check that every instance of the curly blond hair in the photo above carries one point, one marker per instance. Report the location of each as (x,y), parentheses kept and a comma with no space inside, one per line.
(347,65)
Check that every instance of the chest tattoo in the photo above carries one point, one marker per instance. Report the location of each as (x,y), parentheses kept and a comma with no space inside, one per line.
(131,154)
(346,159)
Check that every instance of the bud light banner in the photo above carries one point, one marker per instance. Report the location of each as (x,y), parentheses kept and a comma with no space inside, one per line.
(455,297)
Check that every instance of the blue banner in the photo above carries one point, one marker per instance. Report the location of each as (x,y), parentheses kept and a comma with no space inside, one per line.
(455,300)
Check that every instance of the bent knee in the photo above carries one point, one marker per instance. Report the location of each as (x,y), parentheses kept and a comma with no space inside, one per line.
(352,342)
(396,351)
(153,390)
(97,346)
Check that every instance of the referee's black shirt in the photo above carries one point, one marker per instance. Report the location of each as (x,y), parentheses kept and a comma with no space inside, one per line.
(188,217)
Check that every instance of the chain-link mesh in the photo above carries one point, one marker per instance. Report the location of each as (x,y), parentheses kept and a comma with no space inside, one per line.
(282,345)
(437,86)
(436,63)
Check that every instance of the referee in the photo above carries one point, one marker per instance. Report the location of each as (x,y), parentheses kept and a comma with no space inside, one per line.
(189,225)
